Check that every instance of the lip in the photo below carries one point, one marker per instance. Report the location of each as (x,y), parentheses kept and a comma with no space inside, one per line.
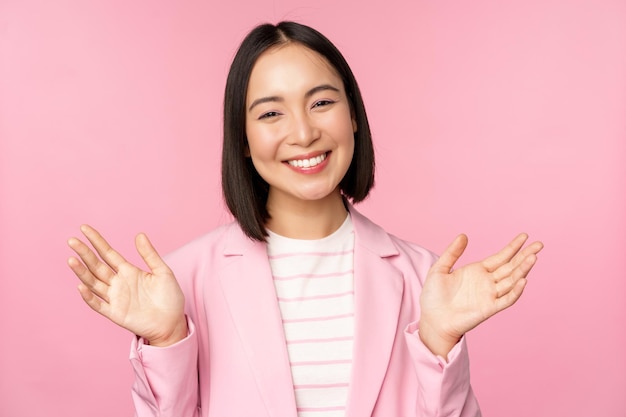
(309,170)
(307,155)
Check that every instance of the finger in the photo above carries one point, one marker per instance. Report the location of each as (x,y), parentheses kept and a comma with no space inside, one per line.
(452,254)
(97,268)
(520,273)
(493,262)
(106,252)
(150,255)
(93,301)
(88,280)
(508,268)
(525,266)
(511,297)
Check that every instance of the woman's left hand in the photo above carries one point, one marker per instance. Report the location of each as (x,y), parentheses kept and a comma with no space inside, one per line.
(455,301)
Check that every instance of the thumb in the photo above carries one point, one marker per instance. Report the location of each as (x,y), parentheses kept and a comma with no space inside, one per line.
(150,255)
(452,254)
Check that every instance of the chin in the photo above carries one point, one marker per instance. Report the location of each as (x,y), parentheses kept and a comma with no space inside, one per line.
(321,195)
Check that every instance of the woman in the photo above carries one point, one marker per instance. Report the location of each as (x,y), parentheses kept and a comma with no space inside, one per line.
(302,306)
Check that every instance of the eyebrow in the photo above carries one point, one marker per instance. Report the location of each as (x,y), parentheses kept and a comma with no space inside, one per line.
(308,94)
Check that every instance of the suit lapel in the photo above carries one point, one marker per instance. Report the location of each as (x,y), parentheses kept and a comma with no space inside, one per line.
(378,296)
(249,291)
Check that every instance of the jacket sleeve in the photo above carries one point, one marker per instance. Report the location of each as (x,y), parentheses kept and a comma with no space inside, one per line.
(444,387)
(166,379)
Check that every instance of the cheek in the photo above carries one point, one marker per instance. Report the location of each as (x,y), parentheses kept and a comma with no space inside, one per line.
(343,134)
(344,129)
(261,144)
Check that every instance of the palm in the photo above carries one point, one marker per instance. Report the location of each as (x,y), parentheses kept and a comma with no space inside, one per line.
(149,304)
(455,302)
(144,303)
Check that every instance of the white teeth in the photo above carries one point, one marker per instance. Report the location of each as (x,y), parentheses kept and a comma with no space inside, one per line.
(307,163)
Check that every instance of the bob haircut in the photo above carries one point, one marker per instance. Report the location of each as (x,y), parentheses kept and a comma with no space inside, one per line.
(245,192)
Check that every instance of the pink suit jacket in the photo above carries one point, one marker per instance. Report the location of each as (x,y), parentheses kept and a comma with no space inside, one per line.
(235,362)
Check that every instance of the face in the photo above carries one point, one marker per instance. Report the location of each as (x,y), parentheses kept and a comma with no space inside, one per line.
(299,125)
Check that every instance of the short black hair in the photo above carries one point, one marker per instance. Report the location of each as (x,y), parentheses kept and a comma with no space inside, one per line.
(245,192)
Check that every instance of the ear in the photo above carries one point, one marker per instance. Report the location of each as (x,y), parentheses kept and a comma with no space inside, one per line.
(246,151)
(354,125)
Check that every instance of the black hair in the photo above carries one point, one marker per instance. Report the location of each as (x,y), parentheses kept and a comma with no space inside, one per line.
(245,192)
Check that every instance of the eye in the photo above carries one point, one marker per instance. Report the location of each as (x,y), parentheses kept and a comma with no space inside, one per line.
(322,103)
(268,115)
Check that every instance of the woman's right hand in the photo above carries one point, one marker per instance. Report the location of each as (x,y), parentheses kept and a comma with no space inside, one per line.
(149,304)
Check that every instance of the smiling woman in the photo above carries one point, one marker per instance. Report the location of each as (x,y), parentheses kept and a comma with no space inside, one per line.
(302,307)
(264,44)
(300,135)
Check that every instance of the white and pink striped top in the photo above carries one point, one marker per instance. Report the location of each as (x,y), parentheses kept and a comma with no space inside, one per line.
(315,289)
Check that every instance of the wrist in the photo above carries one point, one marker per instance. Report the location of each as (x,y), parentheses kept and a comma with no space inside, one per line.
(436,340)
(179,332)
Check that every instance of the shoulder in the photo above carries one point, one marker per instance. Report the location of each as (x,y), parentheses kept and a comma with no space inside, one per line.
(208,246)
(413,250)
(379,241)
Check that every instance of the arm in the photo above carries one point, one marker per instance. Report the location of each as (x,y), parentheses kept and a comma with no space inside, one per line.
(443,386)
(166,378)
(150,304)
(454,302)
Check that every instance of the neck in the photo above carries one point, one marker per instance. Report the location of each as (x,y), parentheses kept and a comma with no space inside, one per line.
(300,219)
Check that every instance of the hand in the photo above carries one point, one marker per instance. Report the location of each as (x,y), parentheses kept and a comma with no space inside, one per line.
(149,304)
(454,302)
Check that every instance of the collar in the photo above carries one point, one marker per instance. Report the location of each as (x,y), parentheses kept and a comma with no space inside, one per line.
(368,235)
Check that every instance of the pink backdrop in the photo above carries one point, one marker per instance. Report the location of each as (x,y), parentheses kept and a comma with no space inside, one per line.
(489,118)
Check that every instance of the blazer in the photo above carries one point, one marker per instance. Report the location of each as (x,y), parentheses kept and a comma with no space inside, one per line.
(234,362)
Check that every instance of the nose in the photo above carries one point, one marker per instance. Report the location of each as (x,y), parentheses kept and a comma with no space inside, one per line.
(304,131)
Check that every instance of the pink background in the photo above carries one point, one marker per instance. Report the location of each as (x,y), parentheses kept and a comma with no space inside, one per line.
(489,118)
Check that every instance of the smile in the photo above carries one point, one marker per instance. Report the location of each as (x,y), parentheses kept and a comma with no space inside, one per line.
(307,163)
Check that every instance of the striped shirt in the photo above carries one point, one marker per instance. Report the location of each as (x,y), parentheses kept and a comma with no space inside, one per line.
(315,290)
